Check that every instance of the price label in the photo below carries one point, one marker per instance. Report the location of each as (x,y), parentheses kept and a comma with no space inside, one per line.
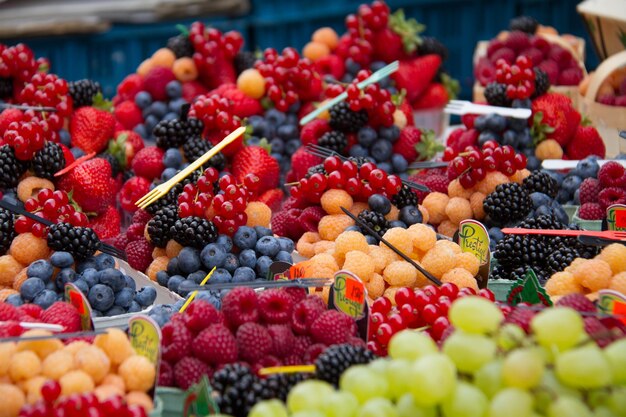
(279,270)
(349,294)
(301,270)
(474,238)
(75,297)
(613,302)
(145,337)
(616,217)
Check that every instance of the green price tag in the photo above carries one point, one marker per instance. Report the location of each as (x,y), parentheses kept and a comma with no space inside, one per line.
(75,297)
(349,294)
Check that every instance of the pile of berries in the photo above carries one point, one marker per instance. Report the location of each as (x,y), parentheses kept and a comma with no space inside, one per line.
(47,90)
(26,132)
(357,42)
(51,205)
(519,78)
(596,195)
(18,65)
(60,313)
(214,53)
(216,113)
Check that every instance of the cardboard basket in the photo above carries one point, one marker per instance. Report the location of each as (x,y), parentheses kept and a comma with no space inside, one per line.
(605,21)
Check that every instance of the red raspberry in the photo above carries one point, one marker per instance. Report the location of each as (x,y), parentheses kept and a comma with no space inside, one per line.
(357,341)
(139,254)
(128,114)
(275,306)
(610,196)
(283,340)
(156,80)
(64,314)
(189,371)
(591,211)
(521,317)
(589,190)
(166,375)
(301,161)
(578,302)
(296,294)
(310,218)
(240,306)
(304,314)
(292,360)
(301,344)
(254,342)
(135,232)
(8,312)
(176,341)
(551,68)
(148,162)
(331,328)
(493,46)
(517,41)
(313,352)
(130,86)
(133,190)
(201,314)
(31,310)
(505,53)
(215,345)
(597,331)
(285,223)
(295,203)
(120,241)
(141,217)
(612,174)
(11,329)
(266,362)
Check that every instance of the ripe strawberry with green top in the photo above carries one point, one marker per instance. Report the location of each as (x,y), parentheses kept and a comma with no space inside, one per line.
(415,75)
(416,144)
(400,39)
(586,142)
(256,160)
(554,117)
(91,184)
(91,128)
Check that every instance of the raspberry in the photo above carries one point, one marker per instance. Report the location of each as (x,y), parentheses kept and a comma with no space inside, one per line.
(141,217)
(330,328)
(120,241)
(610,196)
(13,399)
(254,342)
(447,228)
(283,340)
(259,214)
(64,314)
(32,310)
(455,248)
(93,361)
(24,365)
(29,187)
(9,312)
(310,218)
(467,261)
(400,274)
(591,211)
(422,237)
(215,345)
(612,174)
(458,209)
(138,373)
(240,306)
(438,183)
(476,203)
(548,149)
(188,371)
(296,294)
(313,352)
(266,362)
(285,223)
(618,283)
(115,344)
(292,360)
(158,264)
(301,344)
(597,331)
(312,131)
(615,256)
(331,226)
(400,238)
(201,314)
(360,264)
(578,302)
(166,375)
(438,261)
(135,232)
(436,204)
(461,277)
(304,314)
(58,364)
(332,200)
(304,246)
(376,286)
(381,257)
(350,241)
(491,181)
(589,190)
(326,260)
(176,341)
(275,306)
(521,317)
(562,283)
(26,248)
(173,248)
(44,347)
(594,275)
(76,382)
(517,41)
(139,254)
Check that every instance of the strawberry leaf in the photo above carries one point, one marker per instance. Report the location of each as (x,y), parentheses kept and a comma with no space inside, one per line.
(398,97)
(451,85)
(428,146)
(265,145)
(540,131)
(182,29)
(117,148)
(408,30)
(100,103)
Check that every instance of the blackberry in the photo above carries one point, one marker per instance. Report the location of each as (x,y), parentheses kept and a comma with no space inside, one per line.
(520,250)
(431,45)
(239,390)
(6,88)
(195,147)
(160,225)
(48,161)
(344,119)
(7,233)
(180,45)
(541,182)
(545,221)
(244,60)
(83,92)
(194,231)
(495,93)
(406,197)
(509,202)
(331,363)
(316,169)
(374,220)
(561,259)
(116,168)
(11,168)
(174,133)
(281,384)
(542,82)
(525,24)
(334,140)
(81,242)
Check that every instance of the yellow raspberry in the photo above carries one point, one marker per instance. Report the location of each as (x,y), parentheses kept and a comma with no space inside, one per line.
(138,373)
(13,400)
(157,252)
(93,361)
(517,177)
(107,391)
(562,283)
(467,261)
(400,238)
(615,256)
(454,247)
(75,346)
(332,225)
(173,248)
(592,296)
(7,349)
(141,399)
(259,214)
(28,248)
(476,202)
(575,264)
(390,293)
(33,389)
(375,286)
(421,280)
(20,278)
(458,209)
(30,186)
(455,189)
(324,246)
(24,365)
(349,241)
(438,261)
(5,293)
(115,381)
(594,275)
(436,204)
(618,283)
(57,364)
(400,274)
(115,344)
(9,268)
(393,214)
(422,236)
(461,277)
(312,269)
(333,200)
(488,184)
(447,228)
(358,207)
(305,247)
(425,214)
(379,255)
(360,264)
(326,260)
(548,149)
(76,382)
(41,347)
(158,264)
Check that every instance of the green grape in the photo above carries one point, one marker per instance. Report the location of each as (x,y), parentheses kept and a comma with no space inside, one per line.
(475,315)
(406,407)
(398,376)
(378,407)
(363,382)
(523,368)
(465,401)
(584,368)
(309,413)
(617,401)
(598,397)
(340,404)
(603,411)
(616,354)
(379,365)
(489,378)
(510,336)
(271,408)
(433,378)
(469,352)
(561,327)
(549,388)
(511,402)
(568,407)
(411,345)
(306,395)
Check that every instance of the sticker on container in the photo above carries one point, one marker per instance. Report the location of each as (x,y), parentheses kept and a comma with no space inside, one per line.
(279,270)
(300,270)
(145,337)
(473,237)
(616,217)
(349,294)
(613,302)
(75,297)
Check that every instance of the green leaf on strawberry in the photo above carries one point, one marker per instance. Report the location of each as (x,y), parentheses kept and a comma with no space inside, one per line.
(451,85)
(428,146)
(117,148)
(408,30)
(539,131)
(99,102)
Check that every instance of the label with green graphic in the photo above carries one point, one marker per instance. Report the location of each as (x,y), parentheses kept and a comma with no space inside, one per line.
(614,303)
(349,294)
(474,238)
(145,337)
(75,297)
(616,217)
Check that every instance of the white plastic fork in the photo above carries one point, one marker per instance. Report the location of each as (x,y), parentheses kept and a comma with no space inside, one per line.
(461,107)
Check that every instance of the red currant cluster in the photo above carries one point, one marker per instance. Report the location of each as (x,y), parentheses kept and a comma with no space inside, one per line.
(216,113)
(210,42)
(360,183)
(356,43)
(18,62)
(472,166)
(519,77)
(47,90)
(75,405)
(28,133)
(288,78)
(51,205)
(415,308)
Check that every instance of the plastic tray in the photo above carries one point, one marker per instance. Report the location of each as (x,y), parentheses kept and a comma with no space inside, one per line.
(595,225)
(173,400)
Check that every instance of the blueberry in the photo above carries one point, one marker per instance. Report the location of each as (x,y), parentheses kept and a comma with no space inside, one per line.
(141,131)
(540,199)
(220,276)
(560,214)
(353,228)
(278,157)
(175,106)
(525,140)
(114,311)
(212,256)
(247,258)
(377,65)
(558,177)
(262,231)
(124,297)
(95,313)
(480,123)
(292,146)
(288,131)
(64,276)
(390,134)
(379,203)
(371,240)
(62,259)
(101,297)
(381,150)
(587,168)
(104,261)
(267,246)
(533,163)
(398,163)
(495,234)
(278,146)
(495,122)
(197,276)
(129,282)
(82,285)
(174,282)
(45,299)
(397,223)
(385,166)
(521,104)
(571,184)
(143,99)
(162,278)
(358,150)
(16,300)
(134,307)
(563,196)
(263,266)
(65,137)
(172,158)
(172,267)
(275,117)
(189,260)
(352,67)
(90,276)
(410,215)
(366,136)
(286,244)
(77,153)
(225,242)
(577,197)
(244,274)
(544,210)
(168,174)
(174,89)
(284,257)
(509,138)
(518,125)
(51,286)
(210,298)
(146,296)
(231,263)
(40,269)
(245,238)
(112,277)
(621,156)
(158,109)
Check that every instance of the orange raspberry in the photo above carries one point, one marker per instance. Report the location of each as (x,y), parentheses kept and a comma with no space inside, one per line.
(400,238)
(467,261)
(491,181)
(24,365)
(138,373)
(400,274)
(76,382)
(447,228)
(333,200)
(115,381)
(594,275)
(251,83)
(33,389)
(327,36)
(157,252)
(455,189)
(30,186)
(425,214)
(393,213)
(163,57)
(315,51)
(324,246)
(314,269)
(382,257)
(57,364)
(305,244)
(185,69)
(7,349)
(562,283)
(141,399)
(375,286)
(5,292)
(618,283)
(75,346)
(438,261)
(13,400)
(158,264)
(615,256)
(107,391)
(360,264)
(43,347)
(27,248)
(548,149)
(517,177)
(422,236)
(173,248)
(9,268)
(461,277)
(259,214)
(421,280)
(458,209)
(94,362)
(454,247)
(476,202)
(332,225)
(115,344)
(326,260)
(349,241)
(436,204)
(575,264)
(358,207)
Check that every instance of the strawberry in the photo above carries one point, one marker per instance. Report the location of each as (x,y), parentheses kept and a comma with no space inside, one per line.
(332,65)
(460,141)
(435,97)
(91,129)
(133,143)
(405,146)
(405,107)
(256,160)
(485,71)
(155,81)
(554,118)
(414,75)
(387,46)
(272,198)
(129,87)
(243,106)
(312,131)
(128,114)
(586,142)
(69,156)
(91,184)
(107,224)
(148,162)
(400,39)
(301,161)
